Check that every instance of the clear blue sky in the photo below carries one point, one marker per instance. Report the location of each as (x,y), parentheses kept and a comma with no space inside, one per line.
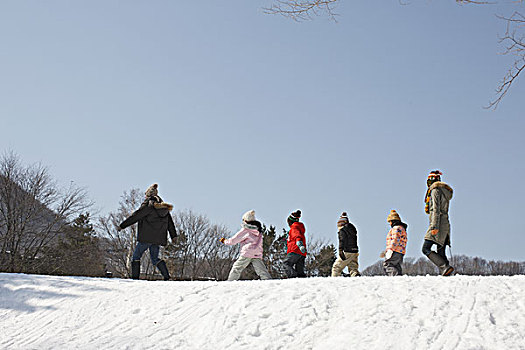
(230,109)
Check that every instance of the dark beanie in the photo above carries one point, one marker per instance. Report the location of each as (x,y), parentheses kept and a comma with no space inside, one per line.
(435,175)
(343,220)
(294,217)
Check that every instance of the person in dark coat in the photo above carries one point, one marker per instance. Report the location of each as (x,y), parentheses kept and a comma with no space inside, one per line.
(295,247)
(437,201)
(154,223)
(348,252)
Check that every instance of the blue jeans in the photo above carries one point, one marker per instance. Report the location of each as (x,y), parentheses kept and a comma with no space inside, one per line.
(153,252)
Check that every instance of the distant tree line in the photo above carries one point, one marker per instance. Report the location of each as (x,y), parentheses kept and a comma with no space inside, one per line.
(464,265)
(47,229)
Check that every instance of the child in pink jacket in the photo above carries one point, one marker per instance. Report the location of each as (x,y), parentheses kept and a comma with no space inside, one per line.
(250,238)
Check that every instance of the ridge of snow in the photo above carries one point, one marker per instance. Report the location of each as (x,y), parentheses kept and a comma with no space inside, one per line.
(426,312)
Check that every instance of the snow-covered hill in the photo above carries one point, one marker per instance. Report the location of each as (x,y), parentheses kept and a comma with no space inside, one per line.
(460,312)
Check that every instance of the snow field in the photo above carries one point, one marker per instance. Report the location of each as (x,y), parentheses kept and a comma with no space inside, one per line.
(460,312)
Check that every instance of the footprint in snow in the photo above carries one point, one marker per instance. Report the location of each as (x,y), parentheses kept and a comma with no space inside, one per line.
(492,319)
(256,332)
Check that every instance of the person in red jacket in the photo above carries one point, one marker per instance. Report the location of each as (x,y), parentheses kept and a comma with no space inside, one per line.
(296,247)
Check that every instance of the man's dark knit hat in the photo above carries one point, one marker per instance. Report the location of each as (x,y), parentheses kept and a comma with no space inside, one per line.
(294,217)
(343,220)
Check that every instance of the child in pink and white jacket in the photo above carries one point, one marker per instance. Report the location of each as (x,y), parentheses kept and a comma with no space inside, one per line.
(396,242)
(250,238)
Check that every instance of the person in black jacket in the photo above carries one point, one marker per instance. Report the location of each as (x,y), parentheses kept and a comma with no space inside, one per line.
(348,252)
(154,221)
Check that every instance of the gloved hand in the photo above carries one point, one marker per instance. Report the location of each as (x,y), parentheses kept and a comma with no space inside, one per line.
(222,239)
(382,254)
(119,229)
(434,232)
(389,254)
(301,246)
(342,254)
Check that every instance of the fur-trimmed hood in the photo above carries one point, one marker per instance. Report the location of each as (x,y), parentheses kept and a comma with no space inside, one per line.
(163,205)
(252,225)
(446,189)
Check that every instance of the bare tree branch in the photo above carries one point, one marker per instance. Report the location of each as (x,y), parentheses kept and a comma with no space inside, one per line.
(476,2)
(300,10)
(120,244)
(303,10)
(514,39)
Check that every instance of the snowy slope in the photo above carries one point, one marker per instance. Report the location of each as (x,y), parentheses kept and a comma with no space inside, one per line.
(460,312)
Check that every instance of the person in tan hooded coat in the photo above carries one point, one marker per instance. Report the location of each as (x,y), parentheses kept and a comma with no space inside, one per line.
(437,201)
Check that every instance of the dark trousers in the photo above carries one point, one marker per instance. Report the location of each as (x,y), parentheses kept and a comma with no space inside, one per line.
(294,265)
(427,248)
(392,266)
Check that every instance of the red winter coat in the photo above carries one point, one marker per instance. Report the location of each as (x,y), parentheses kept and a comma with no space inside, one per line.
(296,233)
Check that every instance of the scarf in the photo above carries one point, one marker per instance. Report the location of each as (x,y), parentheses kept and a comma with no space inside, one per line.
(427,201)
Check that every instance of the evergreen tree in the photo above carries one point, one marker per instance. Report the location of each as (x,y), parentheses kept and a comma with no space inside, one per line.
(78,251)
(321,263)
(275,252)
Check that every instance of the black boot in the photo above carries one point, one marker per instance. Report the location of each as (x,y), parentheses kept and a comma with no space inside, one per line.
(444,268)
(135,269)
(447,271)
(163,270)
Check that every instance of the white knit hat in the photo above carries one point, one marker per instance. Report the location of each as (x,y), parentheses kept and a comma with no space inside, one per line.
(249,216)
